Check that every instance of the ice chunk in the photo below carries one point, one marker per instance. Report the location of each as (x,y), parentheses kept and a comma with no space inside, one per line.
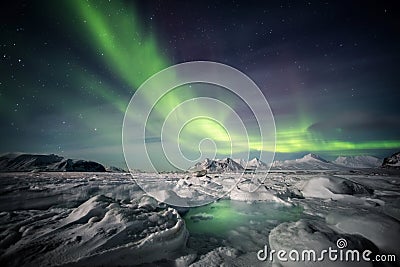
(311,235)
(222,256)
(383,230)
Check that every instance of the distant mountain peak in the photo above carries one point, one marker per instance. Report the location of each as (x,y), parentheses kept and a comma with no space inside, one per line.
(218,165)
(228,165)
(358,161)
(312,156)
(309,161)
(255,163)
(254,160)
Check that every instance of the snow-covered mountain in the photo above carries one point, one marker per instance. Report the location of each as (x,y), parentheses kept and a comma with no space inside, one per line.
(312,157)
(19,162)
(218,165)
(308,162)
(255,164)
(241,162)
(358,162)
(392,162)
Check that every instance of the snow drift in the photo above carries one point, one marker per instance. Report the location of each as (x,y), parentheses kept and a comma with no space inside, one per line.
(333,187)
(99,232)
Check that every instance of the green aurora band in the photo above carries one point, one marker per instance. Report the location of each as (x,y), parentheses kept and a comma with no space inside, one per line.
(114,31)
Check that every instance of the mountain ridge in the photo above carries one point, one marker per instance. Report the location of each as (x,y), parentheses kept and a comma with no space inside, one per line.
(25,162)
(217,165)
(358,161)
(310,161)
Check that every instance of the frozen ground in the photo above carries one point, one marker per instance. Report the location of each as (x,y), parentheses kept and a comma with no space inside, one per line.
(105,219)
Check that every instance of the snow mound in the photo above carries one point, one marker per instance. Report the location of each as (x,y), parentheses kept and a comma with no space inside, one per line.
(327,187)
(358,162)
(170,197)
(250,192)
(100,232)
(317,236)
(392,162)
(16,162)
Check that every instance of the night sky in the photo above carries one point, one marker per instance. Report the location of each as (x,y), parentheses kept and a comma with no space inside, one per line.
(328,69)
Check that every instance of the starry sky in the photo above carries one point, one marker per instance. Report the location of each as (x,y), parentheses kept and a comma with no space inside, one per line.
(329,70)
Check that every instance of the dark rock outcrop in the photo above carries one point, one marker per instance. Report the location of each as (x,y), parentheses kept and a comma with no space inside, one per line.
(218,166)
(392,162)
(14,162)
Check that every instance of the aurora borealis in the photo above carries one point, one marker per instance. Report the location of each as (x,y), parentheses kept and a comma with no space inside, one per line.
(328,70)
